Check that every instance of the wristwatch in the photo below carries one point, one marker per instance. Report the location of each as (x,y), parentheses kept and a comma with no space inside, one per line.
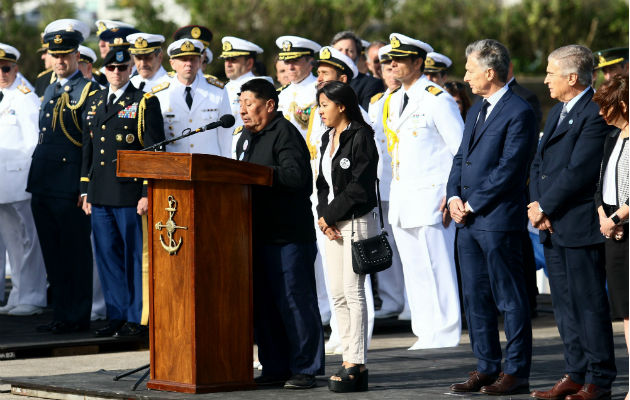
(615,218)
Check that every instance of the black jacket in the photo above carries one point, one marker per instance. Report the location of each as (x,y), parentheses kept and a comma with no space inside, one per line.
(281,214)
(113,129)
(365,87)
(529,97)
(353,174)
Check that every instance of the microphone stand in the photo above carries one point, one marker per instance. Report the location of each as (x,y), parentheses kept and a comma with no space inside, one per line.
(161,145)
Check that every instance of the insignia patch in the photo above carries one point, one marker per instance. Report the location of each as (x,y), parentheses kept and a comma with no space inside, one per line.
(344,163)
(129,138)
(227,46)
(215,82)
(195,32)
(120,56)
(245,144)
(187,46)
(24,89)
(433,90)
(394,42)
(141,43)
(160,87)
(376,98)
(286,46)
(119,137)
(2,53)
(325,54)
(237,130)
(58,39)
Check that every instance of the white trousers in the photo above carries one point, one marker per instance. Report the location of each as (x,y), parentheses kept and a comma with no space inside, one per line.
(427,255)
(348,290)
(391,281)
(28,274)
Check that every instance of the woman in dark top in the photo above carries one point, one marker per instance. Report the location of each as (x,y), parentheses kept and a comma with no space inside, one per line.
(611,197)
(346,188)
(458,91)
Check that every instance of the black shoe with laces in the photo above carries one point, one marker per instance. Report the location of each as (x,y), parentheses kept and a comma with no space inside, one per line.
(301,381)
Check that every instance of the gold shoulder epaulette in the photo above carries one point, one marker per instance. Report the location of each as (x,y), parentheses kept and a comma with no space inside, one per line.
(281,88)
(237,130)
(160,87)
(96,72)
(434,90)
(148,95)
(44,72)
(171,73)
(376,97)
(214,81)
(22,88)
(93,92)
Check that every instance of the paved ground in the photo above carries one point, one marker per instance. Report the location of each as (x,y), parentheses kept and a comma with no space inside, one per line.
(395,373)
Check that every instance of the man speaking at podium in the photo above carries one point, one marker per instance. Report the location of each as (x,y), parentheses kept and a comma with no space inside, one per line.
(287,324)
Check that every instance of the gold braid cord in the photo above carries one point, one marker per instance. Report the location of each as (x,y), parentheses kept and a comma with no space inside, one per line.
(141,109)
(392,138)
(62,103)
(311,147)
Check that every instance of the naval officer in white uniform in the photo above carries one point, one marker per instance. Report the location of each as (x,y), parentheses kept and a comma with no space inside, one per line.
(19,124)
(297,99)
(146,49)
(425,130)
(189,101)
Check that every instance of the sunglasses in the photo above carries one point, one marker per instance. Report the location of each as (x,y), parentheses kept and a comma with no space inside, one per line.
(120,67)
(6,68)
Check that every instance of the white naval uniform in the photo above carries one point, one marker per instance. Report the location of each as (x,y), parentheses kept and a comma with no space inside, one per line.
(209,104)
(23,81)
(297,100)
(429,132)
(391,281)
(315,131)
(160,76)
(19,124)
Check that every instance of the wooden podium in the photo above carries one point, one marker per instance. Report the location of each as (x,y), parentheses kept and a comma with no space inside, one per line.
(200,268)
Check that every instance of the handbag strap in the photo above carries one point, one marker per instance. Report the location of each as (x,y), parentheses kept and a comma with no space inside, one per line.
(380,209)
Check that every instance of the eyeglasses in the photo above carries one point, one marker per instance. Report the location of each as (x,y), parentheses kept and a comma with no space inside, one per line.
(119,67)
(6,68)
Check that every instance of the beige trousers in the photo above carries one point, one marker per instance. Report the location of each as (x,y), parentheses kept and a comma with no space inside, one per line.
(347,288)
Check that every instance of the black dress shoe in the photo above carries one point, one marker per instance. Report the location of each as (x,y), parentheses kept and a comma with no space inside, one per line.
(109,329)
(301,381)
(131,329)
(48,327)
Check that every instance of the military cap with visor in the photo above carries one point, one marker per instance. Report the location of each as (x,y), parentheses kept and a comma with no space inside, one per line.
(86,54)
(9,53)
(331,56)
(144,43)
(197,32)
(185,47)
(436,62)
(63,36)
(117,55)
(234,47)
(292,47)
(404,46)
(104,25)
(117,37)
(604,58)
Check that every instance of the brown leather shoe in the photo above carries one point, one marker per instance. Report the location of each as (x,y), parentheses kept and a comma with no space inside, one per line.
(563,387)
(590,392)
(475,381)
(507,384)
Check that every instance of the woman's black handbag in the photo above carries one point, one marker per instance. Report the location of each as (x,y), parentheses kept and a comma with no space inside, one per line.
(372,254)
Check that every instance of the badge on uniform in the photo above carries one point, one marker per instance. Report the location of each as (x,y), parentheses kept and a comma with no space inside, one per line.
(129,112)
(129,138)
(245,144)
(120,56)
(344,163)
(119,137)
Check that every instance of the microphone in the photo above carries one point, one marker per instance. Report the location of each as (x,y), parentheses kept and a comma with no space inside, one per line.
(226,121)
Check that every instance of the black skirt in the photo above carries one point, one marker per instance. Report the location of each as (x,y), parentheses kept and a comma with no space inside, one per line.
(617,275)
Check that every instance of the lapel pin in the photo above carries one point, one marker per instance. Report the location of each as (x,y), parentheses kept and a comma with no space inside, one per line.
(122,103)
(570,122)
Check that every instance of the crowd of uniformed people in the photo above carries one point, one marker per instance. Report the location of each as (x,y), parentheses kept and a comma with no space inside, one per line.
(391,118)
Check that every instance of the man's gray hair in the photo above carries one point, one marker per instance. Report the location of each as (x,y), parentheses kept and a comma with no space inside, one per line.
(575,59)
(491,54)
(348,35)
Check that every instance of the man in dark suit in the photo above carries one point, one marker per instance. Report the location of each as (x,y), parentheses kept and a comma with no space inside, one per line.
(53,180)
(486,198)
(364,85)
(562,186)
(119,118)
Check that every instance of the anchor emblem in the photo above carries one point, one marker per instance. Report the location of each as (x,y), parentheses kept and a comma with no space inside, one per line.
(171,227)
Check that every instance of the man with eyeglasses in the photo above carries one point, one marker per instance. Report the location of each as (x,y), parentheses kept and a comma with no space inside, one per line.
(147,54)
(119,118)
(373,60)
(63,229)
(18,124)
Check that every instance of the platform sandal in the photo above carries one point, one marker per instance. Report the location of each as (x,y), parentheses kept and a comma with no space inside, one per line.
(357,383)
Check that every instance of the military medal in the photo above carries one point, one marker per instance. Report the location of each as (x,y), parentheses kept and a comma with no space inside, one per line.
(119,137)
(129,138)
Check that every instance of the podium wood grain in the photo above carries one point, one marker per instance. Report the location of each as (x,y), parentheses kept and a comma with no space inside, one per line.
(201,306)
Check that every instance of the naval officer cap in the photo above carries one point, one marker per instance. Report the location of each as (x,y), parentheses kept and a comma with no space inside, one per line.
(207,53)
(86,54)
(197,32)
(604,58)
(103,25)
(117,55)
(331,56)
(292,47)
(234,47)
(144,43)
(118,36)
(437,62)
(364,45)
(185,47)
(9,53)
(404,46)
(383,53)
(65,35)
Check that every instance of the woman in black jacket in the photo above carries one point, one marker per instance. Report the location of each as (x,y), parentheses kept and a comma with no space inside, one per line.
(346,188)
